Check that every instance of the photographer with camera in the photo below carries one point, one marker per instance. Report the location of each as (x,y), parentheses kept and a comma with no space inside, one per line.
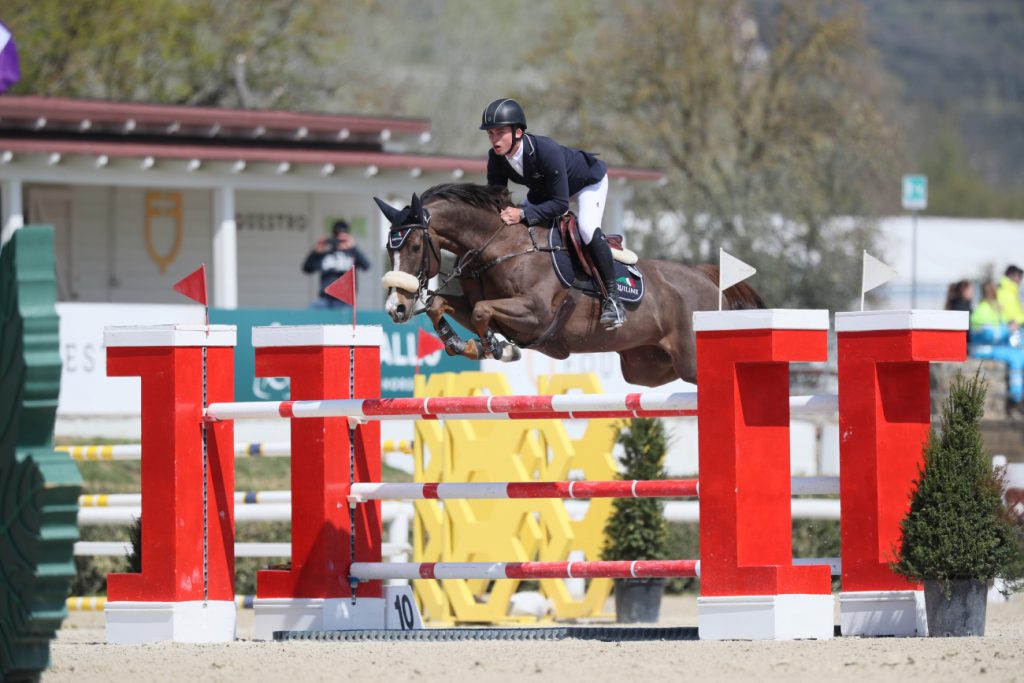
(332,257)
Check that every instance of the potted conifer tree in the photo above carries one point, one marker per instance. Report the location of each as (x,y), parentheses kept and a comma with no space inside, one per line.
(958,534)
(636,529)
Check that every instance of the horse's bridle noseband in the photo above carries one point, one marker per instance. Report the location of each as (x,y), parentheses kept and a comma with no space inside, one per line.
(398,236)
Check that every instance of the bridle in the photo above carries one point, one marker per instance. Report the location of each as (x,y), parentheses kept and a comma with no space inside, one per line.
(398,236)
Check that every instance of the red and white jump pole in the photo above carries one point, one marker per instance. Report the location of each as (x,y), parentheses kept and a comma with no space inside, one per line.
(526,570)
(666,488)
(567,406)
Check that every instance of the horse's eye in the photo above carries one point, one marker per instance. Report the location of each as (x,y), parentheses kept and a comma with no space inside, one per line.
(416,248)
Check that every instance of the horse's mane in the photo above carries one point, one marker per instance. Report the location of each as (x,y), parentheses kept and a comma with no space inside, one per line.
(486,197)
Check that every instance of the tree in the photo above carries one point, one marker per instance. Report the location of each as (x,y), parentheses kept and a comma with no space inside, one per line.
(636,529)
(201,52)
(957,526)
(768,136)
(397,57)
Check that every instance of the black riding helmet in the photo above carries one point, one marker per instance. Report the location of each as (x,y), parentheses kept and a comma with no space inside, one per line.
(503,112)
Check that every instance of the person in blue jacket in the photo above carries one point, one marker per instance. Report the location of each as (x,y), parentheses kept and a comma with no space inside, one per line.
(332,257)
(553,174)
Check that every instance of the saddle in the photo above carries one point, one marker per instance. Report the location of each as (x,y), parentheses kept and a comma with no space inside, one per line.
(575,268)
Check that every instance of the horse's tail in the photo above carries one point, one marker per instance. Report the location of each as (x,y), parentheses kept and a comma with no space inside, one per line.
(738,297)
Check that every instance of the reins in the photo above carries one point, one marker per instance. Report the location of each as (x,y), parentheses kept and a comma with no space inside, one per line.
(461,268)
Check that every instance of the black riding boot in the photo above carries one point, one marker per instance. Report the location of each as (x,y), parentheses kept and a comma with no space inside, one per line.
(612,312)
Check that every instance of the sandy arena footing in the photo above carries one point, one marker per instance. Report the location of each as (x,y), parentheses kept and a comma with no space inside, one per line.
(81,655)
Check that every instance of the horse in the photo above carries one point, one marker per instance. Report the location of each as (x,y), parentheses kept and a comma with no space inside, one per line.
(509,286)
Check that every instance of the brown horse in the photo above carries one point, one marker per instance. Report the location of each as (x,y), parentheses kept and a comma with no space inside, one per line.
(509,285)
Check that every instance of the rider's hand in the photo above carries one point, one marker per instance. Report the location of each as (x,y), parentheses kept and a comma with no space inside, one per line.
(511,215)
(323,245)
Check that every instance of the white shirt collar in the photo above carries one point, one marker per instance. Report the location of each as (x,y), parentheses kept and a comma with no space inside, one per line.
(515,160)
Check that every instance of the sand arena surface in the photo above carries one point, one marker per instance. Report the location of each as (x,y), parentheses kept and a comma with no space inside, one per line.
(80,654)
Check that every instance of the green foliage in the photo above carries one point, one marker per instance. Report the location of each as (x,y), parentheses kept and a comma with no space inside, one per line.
(957,526)
(134,557)
(811,538)
(203,52)
(91,571)
(636,529)
(956,189)
(961,75)
(251,474)
(766,122)
(683,542)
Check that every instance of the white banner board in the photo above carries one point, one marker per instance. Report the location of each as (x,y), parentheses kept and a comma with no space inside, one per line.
(85,389)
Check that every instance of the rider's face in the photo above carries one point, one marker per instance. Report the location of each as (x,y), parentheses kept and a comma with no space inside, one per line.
(501,139)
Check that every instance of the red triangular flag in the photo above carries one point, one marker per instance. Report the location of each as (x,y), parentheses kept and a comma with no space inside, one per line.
(194,285)
(427,344)
(344,288)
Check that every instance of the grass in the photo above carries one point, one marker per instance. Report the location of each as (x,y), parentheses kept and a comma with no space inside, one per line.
(251,474)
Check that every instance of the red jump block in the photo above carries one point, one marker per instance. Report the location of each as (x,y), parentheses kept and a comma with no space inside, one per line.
(884,418)
(325,362)
(185,591)
(750,588)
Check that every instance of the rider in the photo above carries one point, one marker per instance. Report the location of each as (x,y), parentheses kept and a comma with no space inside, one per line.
(553,174)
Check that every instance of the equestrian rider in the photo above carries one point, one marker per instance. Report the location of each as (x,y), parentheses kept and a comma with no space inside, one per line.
(553,174)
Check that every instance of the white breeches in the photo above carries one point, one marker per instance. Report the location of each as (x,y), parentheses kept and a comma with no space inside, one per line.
(590,208)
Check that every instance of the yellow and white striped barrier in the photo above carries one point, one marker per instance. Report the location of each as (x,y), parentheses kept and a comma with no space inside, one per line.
(266,449)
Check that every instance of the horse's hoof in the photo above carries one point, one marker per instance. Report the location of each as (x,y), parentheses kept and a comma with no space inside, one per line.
(454,347)
(510,353)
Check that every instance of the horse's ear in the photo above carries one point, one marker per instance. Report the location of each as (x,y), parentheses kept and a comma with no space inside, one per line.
(417,207)
(390,212)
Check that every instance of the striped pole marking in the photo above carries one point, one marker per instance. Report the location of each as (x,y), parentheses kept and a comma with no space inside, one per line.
(104,500)
(265,449)
(667,488)
(664,488)
(371,571)
(122,548)
(244,514)
(86,603)
(564,406)
(97,603)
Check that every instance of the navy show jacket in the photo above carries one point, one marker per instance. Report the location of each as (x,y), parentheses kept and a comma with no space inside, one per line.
(552,173)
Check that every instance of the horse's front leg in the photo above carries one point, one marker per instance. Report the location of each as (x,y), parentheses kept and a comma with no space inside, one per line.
(516,313)
(454,345)
(473,349)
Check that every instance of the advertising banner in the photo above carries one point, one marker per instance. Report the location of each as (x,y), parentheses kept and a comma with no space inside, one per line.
(87,391)
(397,356)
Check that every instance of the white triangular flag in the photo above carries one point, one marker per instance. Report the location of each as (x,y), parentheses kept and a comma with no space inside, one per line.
(875,274)
(730,271)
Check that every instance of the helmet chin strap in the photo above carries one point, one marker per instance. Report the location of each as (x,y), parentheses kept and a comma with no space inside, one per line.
(515,141)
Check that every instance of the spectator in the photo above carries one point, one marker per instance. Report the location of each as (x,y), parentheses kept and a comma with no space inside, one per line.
(987,314)
(332,257)
(1008,294)
(960,297)
(991,337)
